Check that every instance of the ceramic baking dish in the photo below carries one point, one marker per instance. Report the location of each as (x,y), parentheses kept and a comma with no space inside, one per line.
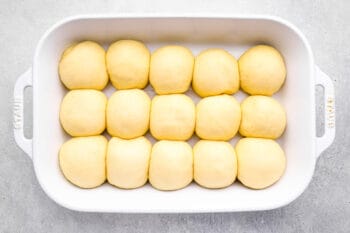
(234,33)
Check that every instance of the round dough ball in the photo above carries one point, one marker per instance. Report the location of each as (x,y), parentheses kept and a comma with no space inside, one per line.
(83,112)
(172,117)
(83,66)
(215,72)
(217,117)
(261,162)
(128,113)
(127,162)
(82,161)
(262,70)
(171,70)
(262,117)
(215,164)
(128,64)
(171,165)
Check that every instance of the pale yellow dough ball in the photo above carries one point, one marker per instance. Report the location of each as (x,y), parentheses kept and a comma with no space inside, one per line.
(171,69)
(217,117)
(172,117)
(127,162)
(215,72)
(128,64)
(83,66)
(261,162)
(171,165)
(215,164)
(82,112)
(262,117)
(128,113)
(262,70)
(82,161)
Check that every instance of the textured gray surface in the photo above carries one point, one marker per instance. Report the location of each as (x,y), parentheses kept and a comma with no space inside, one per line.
(323,207)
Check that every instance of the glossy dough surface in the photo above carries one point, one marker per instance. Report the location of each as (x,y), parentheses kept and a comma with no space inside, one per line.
(215,72)
(171,165)
(82,161)
(83,66)
(128,113)
(128,64)
(262,117)
(262,70)
(261,162)
(127,162)
(215,164)
(171,69)
(172,117)
(82,112)
(217,117)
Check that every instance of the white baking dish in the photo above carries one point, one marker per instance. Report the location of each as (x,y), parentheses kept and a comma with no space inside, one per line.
(234,33)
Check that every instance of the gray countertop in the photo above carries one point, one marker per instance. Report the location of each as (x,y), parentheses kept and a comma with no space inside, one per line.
(323,207)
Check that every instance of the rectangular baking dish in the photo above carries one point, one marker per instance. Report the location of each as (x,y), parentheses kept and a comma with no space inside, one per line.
(234,33)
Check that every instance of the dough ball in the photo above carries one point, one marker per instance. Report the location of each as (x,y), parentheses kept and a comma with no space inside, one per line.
(172,117)
(128,64)
(261,162)
(262,70)
(262,117)
(171,70)
(215,164)
(215,72)
(127,162)
(83,66)
(128,113)
(217,117)
(83,112)
(82,161)
(171,165)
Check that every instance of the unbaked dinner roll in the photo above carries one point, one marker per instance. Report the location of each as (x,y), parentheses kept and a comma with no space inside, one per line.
(262,117)
(82,112)
(128,113)
(171,69)
(171,165)
(83,66)
(82,161)
(215,164)
(172,117)
(127,162)
(217,117)
(261,162)
(262,70)
(128,64)
(215,72)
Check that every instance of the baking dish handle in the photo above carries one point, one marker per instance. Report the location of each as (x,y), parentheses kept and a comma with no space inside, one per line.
(25,80)
(323,142)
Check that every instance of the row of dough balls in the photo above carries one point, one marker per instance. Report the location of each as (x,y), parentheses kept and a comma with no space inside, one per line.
(170,165)
(130,113)
(171,69)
